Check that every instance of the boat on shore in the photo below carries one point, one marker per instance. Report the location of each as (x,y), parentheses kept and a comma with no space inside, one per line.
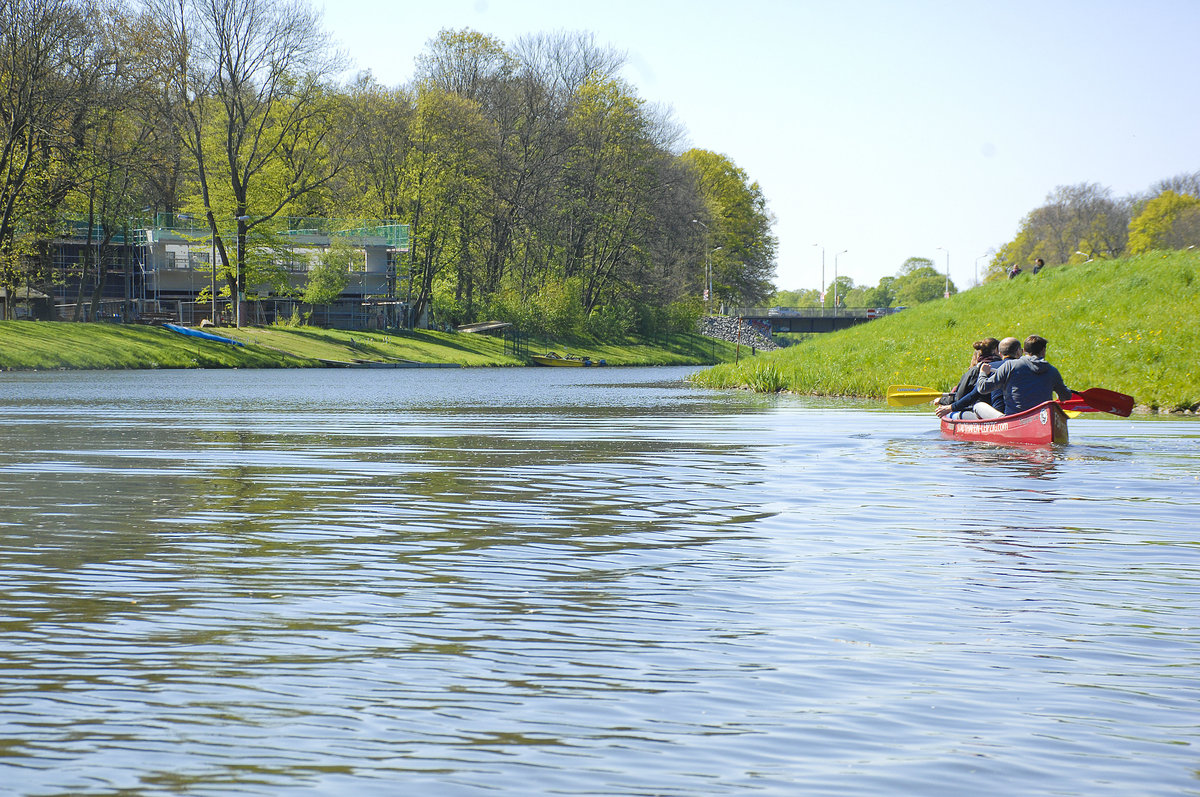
(1041,425)
(553,358)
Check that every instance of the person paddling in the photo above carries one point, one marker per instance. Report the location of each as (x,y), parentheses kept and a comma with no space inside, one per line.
(984,350)
(983,405)
(1027,381)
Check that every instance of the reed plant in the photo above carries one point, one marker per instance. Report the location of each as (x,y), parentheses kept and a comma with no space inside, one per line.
(1129,325)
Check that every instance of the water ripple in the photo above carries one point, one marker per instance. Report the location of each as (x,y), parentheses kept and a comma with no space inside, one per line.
(468,583)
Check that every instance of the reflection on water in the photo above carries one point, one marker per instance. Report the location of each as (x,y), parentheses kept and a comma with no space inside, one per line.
(536,582)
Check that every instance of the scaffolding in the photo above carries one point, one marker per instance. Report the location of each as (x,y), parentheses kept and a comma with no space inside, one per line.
(159,265)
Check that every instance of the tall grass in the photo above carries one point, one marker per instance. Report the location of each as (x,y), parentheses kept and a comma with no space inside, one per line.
(1129,325)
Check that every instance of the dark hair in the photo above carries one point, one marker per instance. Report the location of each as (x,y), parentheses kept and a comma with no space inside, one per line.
(986,346)
(1035,345)
(1009,347)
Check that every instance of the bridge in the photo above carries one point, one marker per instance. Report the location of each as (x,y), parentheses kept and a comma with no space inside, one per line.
(811,319)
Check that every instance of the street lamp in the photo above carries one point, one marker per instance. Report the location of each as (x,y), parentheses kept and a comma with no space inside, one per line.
(947,251)
(981,257)
(822,270)
(835,286)
(707,269)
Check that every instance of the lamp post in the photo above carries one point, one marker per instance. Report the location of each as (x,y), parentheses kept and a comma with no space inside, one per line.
(835,284)
(947,251)
(981,257)
(822,270)
(707,269)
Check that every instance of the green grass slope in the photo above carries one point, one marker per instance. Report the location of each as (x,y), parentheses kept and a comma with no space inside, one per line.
(44,345)
(38,345)
(1128,325)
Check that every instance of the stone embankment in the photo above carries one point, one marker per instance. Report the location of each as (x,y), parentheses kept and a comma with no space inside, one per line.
(752,333)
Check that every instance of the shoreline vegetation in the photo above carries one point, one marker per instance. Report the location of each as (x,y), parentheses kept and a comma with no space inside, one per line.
(1128,325)
(51,345)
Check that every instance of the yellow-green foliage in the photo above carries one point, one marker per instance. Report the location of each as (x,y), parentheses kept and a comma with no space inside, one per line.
(1128,325)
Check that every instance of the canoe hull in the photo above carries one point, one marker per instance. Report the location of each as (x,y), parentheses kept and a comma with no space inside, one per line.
(1040,425)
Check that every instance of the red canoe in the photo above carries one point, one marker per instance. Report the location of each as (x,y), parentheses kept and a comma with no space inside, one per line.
(1041,425)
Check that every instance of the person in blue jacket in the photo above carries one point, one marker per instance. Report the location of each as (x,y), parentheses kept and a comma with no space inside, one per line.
(1026,382)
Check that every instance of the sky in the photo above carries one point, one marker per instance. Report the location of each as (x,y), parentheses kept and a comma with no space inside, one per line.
(877,131)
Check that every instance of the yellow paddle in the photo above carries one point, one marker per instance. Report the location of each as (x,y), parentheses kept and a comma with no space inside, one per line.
(909,395)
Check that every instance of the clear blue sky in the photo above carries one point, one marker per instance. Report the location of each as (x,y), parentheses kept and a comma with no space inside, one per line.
(887,129)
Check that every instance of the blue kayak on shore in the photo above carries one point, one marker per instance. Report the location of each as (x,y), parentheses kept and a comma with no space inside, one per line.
(195,333)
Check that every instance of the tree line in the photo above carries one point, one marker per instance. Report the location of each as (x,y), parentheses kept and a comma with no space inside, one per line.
(1086,222)
(538,186)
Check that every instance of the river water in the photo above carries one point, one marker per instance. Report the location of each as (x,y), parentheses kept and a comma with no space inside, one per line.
(581,582)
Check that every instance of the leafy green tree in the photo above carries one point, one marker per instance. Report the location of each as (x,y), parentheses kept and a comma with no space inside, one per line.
(329,274)
(608,179)
(443,175)
(246,85)
(378,127)
(1169,221)
(882,295)
(740,224)
(919,282)
(50,59)
(1082,217)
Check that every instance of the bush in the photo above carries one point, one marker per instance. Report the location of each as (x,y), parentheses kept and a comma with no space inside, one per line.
(684,315)
(609,323)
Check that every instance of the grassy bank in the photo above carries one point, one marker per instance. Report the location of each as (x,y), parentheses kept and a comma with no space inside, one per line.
(1129,325)
(29,345)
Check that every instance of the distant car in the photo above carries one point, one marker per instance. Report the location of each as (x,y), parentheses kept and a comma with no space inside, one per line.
(777,311)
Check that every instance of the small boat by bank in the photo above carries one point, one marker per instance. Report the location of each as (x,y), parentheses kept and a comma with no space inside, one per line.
(1041,425)
(196,333)
(553,358)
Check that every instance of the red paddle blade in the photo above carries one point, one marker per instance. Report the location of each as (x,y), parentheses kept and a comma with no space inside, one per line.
(1077,403)
(1108,401)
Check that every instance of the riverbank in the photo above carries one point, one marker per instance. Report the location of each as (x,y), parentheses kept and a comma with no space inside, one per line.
(1128,325)
(40,345)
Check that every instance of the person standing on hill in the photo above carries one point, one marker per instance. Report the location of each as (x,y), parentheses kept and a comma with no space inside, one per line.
(1026,382)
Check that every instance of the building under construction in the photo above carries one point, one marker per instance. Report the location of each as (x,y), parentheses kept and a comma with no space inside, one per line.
(164,267)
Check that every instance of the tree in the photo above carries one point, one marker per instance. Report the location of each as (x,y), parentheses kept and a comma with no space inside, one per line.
(1081,217)
(329,274)
(740,225)
(378,126)
(45,56)
(918,281)
(443,178)
(245,86)
(609,175)
(1184,183)
(1169,221)
(883,295)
